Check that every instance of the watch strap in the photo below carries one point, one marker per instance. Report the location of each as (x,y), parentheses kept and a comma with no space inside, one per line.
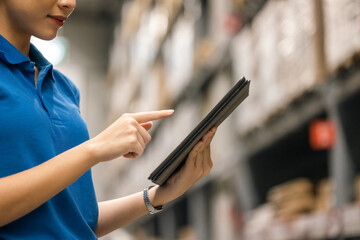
(149,206)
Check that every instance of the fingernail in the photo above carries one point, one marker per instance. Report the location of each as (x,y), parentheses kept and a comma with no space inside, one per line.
(170,110)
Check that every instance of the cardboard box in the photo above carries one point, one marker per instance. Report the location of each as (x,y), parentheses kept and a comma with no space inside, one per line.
(292,199)
(342,30)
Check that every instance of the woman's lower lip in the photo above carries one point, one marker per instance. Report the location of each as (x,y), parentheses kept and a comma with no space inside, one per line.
(58,22)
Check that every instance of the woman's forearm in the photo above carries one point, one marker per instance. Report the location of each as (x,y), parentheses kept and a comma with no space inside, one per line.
(119,212)
(25,191)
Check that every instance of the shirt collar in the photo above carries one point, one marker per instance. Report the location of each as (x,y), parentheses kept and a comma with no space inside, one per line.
(41,61)
(10,54)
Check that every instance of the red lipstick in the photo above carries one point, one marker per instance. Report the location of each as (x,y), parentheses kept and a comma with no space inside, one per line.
(59,20)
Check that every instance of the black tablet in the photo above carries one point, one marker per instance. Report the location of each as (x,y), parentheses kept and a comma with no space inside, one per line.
(215,117)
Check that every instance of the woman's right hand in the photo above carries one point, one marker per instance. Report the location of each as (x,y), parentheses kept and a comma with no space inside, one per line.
(127,136)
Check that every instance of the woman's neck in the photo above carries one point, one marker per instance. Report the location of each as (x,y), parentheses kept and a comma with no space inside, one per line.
(20,44)
(20,40)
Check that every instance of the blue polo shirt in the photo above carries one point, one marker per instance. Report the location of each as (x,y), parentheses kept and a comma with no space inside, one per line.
(36,124)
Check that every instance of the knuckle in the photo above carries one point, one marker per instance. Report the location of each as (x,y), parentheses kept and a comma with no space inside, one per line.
(148,139)
(132,130)
(131,121)
(125,116)
(141,149)
(200,173)
(133,139)
(191,155)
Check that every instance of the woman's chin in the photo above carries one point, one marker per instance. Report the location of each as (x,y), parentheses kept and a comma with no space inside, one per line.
(46,36)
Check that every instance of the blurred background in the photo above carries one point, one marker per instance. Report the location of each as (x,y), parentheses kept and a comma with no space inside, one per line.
(286,162)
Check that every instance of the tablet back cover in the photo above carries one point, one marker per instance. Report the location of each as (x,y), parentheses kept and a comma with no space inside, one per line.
(215,117)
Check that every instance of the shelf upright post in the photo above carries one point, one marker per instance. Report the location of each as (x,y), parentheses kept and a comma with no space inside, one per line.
(341,166)
(341,169)
(244,184)
(198,213)
(319,41)
(167,224)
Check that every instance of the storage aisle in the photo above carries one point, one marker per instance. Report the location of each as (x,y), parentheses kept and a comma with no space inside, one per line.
(287,162)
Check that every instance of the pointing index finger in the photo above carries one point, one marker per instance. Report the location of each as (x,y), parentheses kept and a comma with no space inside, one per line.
(143,117)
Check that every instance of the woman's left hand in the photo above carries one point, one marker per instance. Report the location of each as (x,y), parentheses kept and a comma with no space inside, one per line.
(197,165)
(117,213)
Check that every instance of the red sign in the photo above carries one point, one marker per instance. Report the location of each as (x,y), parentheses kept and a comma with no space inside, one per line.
(322,134)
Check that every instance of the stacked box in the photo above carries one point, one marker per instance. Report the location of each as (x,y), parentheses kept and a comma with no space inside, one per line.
(278,54)
(296,48)
(324,195)
(357,189)
(249,114)
(178,54)
(342,30)
(292,199)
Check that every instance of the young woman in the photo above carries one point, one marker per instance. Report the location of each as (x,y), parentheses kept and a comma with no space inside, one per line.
(46,190)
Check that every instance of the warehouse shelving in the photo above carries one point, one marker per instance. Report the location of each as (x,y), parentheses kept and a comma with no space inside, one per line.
(282,154)
(314,100)
(265,155)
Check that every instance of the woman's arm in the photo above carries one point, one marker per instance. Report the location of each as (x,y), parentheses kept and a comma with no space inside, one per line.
(120,212)
(25,191)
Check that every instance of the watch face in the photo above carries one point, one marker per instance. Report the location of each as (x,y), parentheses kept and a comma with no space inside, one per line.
(156,210)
